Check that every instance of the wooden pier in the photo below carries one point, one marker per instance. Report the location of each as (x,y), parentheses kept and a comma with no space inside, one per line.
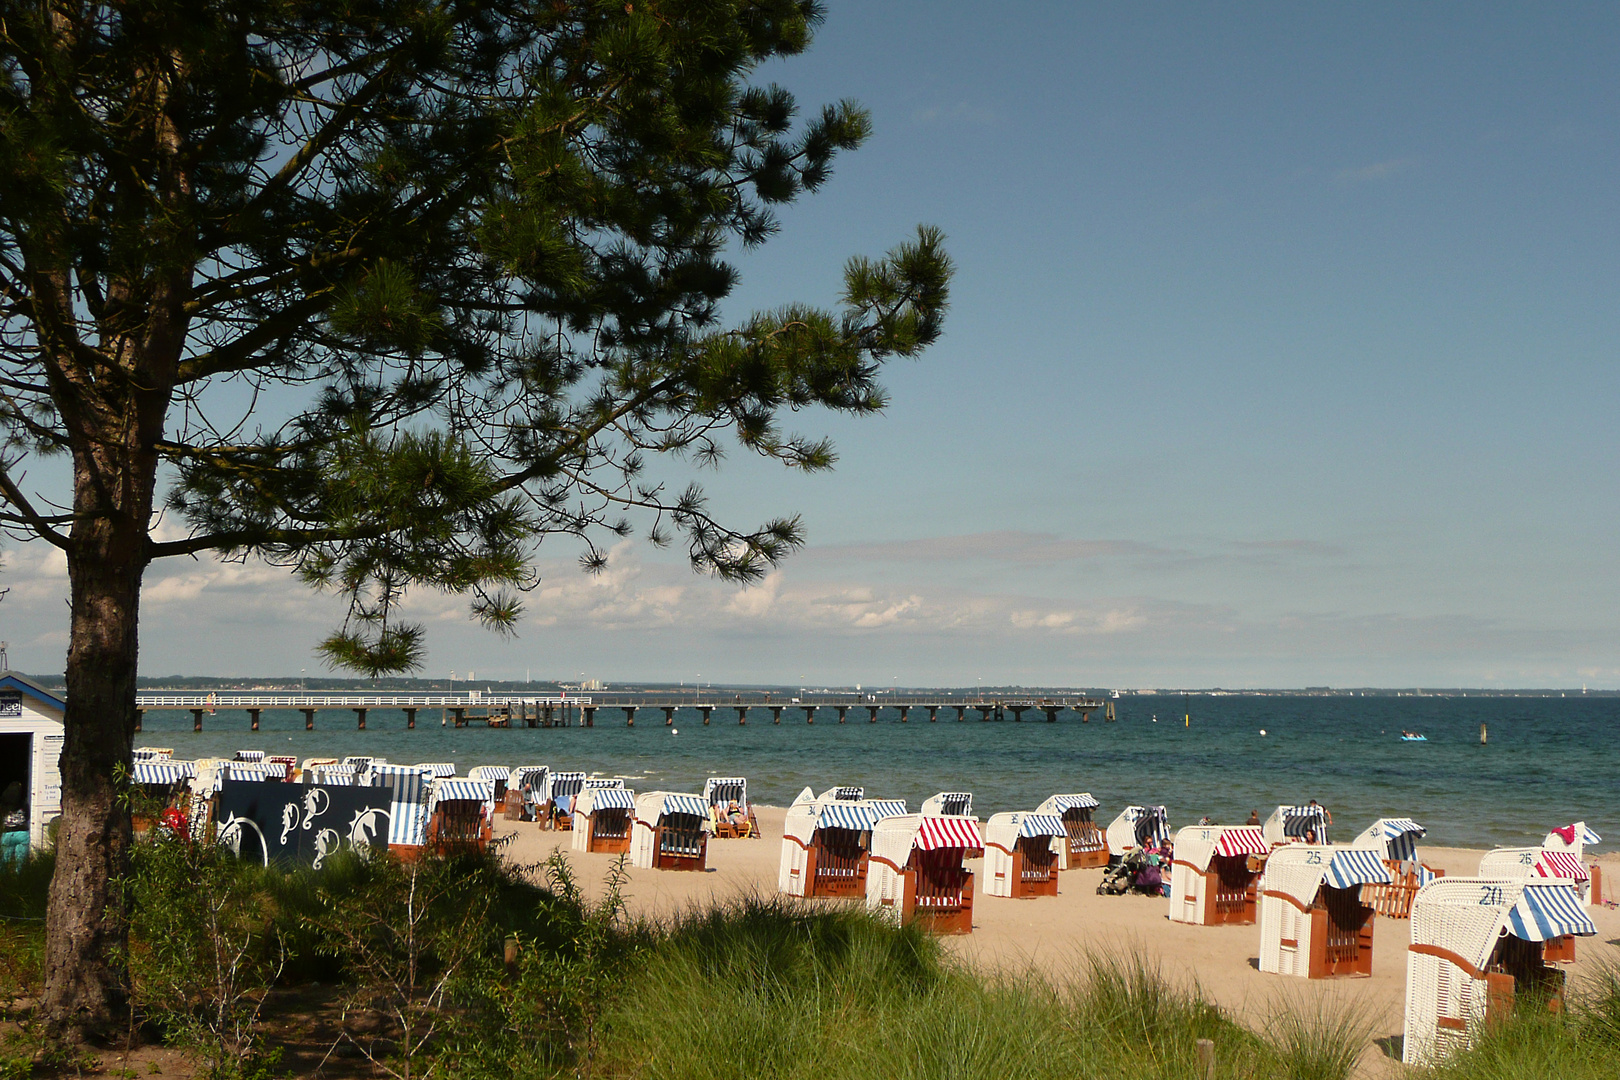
(562,710)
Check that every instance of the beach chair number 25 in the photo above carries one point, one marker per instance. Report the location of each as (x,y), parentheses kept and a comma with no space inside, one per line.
(1490,896)
(1313,858)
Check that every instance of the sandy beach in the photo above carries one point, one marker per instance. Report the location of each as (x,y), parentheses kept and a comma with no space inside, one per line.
(1054,934)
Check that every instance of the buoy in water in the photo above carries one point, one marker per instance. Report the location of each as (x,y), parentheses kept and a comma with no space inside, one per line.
(1262,731)
(674,731)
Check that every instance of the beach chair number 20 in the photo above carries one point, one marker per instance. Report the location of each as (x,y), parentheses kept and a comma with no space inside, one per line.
(1313,858)
(1490,896)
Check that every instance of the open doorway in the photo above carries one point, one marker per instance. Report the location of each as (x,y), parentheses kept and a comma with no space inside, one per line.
(16,753)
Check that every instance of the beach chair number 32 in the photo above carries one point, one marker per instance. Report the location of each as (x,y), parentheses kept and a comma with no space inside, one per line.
(1490,896)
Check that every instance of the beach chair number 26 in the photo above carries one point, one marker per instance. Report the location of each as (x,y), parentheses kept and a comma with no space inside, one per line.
(1490,896)
(1526,859)
(1313,858)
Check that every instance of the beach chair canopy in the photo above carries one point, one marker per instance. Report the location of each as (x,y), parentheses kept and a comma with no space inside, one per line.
(1299,820)
(653,806)
(594,799)
(1062,804)
(847,794)
(163,772)
(1197,845)
(1561,864)
(947,831)
(521,775)
(1298,871)
(250,755)
(1148,823)
(253,770)
(564,785)
(835,814)
(489,772)
(949,803)
(455,789)
(152,753)
(437,768)
(1035,823)
(1575,836)
(887,808)
(363,760)
(1396,837)
(334,774)
(593,783)
(724,790)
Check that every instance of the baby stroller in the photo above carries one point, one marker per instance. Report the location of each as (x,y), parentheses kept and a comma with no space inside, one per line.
(1133,873)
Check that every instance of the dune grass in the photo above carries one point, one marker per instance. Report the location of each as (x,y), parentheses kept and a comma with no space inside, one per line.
(769,989)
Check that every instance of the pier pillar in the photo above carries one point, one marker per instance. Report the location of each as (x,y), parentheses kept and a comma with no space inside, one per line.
(933,714)
(961,713)
(196,719)
(360,719)
(410,719)
(707,711)
(139,713)
(842,710)
(669,715)
(309,719)
(742,713)
(589,713)
(776,714)
(1018,713)
(904,709)
(629,716)
(1051,715)
(460,713)
(253,718)
(809,714)
(546,720)
(873,710)
(984,712)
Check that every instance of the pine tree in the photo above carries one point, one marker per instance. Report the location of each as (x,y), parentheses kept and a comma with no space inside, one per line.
(389,292)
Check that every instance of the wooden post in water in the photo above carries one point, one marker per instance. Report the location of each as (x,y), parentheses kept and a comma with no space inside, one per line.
(1482,734)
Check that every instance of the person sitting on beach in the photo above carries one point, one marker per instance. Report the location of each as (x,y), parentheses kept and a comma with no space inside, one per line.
(1254,818)
(1310,836)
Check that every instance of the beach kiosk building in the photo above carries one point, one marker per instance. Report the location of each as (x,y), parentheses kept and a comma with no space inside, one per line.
(1134,827)
(826,846)
(1022,852)
(602,818)
(1314,922)
(670,832)
(1297,825)
(1214,877)
(31,737)
(1477,945)
(918,870)
(1395,840)
(1083,842)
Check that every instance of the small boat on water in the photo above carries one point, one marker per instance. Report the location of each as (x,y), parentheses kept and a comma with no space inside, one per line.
(1412,736)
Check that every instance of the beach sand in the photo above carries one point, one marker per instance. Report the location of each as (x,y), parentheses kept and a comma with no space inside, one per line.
(1053,935)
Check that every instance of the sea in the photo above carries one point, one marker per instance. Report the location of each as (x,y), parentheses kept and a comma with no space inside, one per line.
(1548,761)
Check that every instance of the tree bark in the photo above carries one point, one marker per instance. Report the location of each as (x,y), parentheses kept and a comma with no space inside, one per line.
(86,977)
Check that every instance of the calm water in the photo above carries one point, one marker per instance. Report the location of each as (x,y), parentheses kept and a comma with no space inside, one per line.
(1549,761)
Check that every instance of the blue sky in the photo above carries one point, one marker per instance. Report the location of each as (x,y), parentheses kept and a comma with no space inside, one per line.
(1282,352)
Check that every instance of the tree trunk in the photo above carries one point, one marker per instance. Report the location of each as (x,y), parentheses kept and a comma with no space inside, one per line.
(86,978)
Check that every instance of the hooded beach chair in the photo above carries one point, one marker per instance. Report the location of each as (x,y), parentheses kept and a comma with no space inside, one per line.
(407,806)
(602,819)
(497,775)
(1534,864)
(1134,827)
(721,793)
(1306,824)
(1314,922)
(949,804)
(670,831)
(1022,854)
(460,813)
(1083,842)
(1214,877)
(1395,840)
(826,845)
(918,870)
(1477,947)
(525,790)
(558,808)
(1573,839)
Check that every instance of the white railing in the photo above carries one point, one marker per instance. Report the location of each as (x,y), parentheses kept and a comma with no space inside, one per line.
(476,699)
